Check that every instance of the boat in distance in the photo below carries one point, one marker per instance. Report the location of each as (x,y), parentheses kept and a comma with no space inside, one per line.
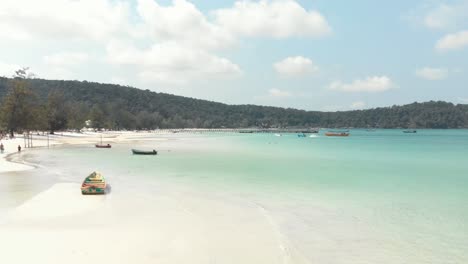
(410,131)
(144,152)
(94,184)
(337,134)
(103,146)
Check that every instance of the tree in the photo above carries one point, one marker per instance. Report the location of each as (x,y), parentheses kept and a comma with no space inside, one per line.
(122,107)
(76,113)
(56,114)
(19,109)
(96,115)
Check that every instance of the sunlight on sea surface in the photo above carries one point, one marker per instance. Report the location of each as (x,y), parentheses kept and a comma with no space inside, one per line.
(375,197)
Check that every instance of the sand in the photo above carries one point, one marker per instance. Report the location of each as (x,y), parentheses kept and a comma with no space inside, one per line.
(60,225)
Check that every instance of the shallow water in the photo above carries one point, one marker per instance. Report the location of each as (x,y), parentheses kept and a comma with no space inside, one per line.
(375,197)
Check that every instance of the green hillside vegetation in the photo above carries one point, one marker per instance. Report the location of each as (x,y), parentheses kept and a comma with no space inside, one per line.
(36,104)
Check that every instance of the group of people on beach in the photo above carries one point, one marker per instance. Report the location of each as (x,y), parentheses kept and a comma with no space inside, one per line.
(2,148)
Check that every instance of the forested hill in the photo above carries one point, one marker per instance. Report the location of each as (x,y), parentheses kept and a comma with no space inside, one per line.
(121,107)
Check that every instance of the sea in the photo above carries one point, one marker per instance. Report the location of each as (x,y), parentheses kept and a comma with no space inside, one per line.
(377,196)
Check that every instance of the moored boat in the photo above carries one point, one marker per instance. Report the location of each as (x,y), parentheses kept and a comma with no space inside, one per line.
(103,146)
(94,184)
(337,134)
(410,131)
(313,131)
(144,152)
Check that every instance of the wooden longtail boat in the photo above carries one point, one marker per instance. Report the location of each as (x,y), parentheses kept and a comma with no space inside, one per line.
(103,145)
(94,184)
(314,131)
(143,152)
(337,134)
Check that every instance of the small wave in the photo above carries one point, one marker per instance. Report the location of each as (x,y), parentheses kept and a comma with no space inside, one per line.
(286,247)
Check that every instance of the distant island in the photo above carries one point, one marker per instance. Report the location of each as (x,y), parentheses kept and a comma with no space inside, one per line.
(54,105)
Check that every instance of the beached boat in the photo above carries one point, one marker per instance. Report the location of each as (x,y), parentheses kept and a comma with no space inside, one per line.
(94,184)
(144,152)
(410,131)
(337,134)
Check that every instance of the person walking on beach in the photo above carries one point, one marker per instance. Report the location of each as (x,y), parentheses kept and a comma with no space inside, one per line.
(2,148)
(19,148)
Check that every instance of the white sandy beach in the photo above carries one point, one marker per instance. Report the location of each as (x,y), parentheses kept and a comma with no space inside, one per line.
(60,225)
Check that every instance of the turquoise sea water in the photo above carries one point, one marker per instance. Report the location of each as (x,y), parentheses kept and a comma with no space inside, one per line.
(374,197)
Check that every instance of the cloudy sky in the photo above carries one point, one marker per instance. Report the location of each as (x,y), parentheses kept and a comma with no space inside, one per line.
(308,54)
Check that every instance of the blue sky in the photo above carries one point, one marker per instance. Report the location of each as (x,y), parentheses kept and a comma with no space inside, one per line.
(314,55)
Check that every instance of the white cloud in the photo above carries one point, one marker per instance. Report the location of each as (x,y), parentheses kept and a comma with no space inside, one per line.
(8,70)
(55,73)
(432,74)
(453,41)
(66,59)
(172,63)
(172,43)
(119,81)
(279,93)
(295,66)
(65,19)
(358,105)
(182,21)
(275,18)
(446,16)
(370,84)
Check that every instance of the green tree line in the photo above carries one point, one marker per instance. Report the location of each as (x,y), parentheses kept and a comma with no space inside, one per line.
(37,104)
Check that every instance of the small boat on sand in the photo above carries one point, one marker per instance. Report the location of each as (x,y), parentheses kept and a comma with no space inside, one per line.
(144,152)
(410,131)
(337,134)
(94,184)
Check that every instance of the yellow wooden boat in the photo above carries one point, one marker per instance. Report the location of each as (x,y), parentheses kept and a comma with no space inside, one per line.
(94,184)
